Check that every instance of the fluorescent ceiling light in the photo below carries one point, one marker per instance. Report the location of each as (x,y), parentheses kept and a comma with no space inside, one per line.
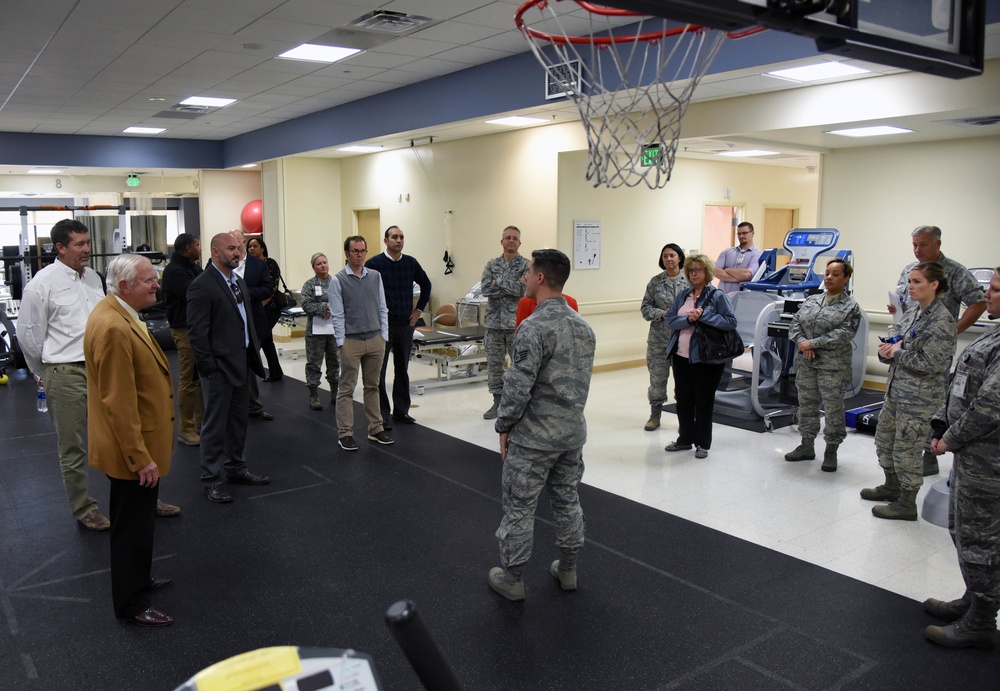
(361,149)
(516,120)
(249,165)
(206,101)
(45,171)
(316,53)
(876,131)
(143,130)
(748,153)
(814,73)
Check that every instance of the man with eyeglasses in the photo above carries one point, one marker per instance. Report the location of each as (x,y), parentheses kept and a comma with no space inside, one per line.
(224,341)
(361,328)
(738,264)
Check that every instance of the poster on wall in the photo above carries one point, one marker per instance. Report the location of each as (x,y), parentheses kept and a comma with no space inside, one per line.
(586,244)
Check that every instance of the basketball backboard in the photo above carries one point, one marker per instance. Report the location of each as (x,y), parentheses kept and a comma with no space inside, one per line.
(942,37)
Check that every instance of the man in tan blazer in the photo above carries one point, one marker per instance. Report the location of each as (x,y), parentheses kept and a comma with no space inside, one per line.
(130,409)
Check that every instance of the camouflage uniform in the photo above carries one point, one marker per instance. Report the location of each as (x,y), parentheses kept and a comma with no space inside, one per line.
(501,284)
(917,378)
(321,346)
(963,288)
(973,434)
(829,324)
(544,394)
(661,291)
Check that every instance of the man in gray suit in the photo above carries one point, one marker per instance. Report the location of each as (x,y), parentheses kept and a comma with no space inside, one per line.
(225,346)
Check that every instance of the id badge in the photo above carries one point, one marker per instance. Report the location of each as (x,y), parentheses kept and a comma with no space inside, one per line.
(958,384)
(317,291)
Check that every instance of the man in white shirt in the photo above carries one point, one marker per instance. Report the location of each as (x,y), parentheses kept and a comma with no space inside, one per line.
(50,327)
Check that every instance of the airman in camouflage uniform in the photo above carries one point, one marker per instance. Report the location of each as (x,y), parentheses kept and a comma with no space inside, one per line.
(503,286)
(542,427)
(822,331)
(963,289)
(918,374)
(661,291)
(316,303)
(969,425)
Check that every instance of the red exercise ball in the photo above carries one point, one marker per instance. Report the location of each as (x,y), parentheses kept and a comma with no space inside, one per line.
(252,216)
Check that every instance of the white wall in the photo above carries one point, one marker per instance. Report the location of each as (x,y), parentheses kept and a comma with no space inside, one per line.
(461,195)
(877,195)
(302,214)
(223,194)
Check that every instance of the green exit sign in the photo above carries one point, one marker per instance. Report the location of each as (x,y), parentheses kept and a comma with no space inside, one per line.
(132,181)
(652,155)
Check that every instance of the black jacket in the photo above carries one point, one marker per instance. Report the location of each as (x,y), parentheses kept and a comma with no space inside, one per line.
(177,276)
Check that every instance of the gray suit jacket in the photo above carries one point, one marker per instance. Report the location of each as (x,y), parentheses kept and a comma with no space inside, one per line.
(215,329)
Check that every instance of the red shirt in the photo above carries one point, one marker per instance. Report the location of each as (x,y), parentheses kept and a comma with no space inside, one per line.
(527,305)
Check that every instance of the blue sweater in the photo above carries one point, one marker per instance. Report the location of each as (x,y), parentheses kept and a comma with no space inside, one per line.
(398,278)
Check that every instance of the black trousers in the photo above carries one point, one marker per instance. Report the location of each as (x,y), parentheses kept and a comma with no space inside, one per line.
(694,391)
(133,520)
(224,427)
(400,343)
(267,345)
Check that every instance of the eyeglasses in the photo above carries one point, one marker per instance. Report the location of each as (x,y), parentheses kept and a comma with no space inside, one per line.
(696,270)
(358,251)
(745,232)
(237,292)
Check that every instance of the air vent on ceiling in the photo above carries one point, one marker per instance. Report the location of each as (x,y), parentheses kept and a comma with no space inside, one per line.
(183,112)
(388,22)
(981,121)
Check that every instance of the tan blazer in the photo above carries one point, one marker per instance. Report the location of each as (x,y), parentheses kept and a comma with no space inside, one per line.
(130,400)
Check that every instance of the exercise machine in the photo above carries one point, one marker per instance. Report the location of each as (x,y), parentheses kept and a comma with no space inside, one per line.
(764,308)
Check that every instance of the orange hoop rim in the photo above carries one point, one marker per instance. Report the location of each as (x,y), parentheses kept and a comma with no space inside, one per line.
(612,40)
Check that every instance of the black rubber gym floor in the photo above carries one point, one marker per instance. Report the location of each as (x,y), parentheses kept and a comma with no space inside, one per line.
(316,557)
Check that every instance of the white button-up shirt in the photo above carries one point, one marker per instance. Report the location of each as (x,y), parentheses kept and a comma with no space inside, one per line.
(54,309)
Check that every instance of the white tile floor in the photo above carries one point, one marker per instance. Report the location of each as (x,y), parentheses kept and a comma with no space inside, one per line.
(744,488)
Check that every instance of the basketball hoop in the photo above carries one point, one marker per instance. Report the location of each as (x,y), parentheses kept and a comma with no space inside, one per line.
(631,77)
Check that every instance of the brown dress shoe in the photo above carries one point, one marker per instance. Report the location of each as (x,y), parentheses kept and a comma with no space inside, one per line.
(94,521)
(151,617)
(165,510)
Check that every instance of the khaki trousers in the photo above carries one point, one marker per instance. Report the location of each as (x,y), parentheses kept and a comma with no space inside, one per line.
(365,355)
(66,395)
(190,404)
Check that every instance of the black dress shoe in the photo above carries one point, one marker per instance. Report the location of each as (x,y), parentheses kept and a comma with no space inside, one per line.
(150,617)
(277,378)
(404,418)
(247,478)
(217,494)
(157,583)
(262,415)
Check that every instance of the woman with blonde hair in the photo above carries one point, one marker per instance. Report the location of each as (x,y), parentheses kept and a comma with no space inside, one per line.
(316,305)
(695,381)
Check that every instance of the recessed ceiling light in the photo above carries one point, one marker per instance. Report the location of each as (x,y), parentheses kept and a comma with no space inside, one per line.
(249,165)
(45,171)
(361,149)
(813,73)
(143,130)
(317,53)
(516,121)
(748,153)
(207,101)
(876,131)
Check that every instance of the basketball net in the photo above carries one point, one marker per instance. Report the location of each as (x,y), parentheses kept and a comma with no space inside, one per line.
(636,77)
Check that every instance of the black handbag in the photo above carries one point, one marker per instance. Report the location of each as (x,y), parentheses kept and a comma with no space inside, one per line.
(284,298)
(716,346)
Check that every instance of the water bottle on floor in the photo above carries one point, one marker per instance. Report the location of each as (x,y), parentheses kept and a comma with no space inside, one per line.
(41,405)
